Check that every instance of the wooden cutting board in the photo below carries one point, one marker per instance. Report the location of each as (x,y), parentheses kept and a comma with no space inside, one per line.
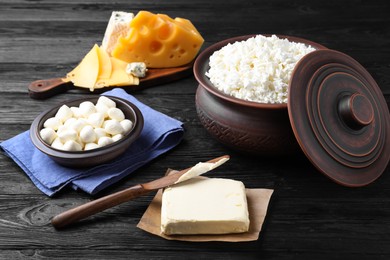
(45,88)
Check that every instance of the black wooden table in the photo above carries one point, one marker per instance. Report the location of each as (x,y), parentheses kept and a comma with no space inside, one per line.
(309,217)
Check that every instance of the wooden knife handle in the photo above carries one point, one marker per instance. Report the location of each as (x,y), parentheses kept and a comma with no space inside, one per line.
(46,88)
(88,209)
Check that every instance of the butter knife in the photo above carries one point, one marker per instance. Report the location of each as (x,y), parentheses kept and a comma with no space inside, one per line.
(90,208)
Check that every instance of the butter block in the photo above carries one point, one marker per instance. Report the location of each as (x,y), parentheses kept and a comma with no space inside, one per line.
(205,206)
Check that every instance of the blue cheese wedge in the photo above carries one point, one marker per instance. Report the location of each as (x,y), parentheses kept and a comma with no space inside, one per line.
(137,69)
(205,206)
(118,25)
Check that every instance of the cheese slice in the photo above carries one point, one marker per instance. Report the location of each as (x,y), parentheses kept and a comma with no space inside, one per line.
(97,70)
(118,26)
(205,206)
(86,73)
(105,66)
(119,76)
(159,41)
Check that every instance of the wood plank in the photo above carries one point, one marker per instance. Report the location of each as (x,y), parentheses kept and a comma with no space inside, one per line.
(309,217)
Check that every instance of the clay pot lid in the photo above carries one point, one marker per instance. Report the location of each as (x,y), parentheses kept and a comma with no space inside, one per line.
(339,117)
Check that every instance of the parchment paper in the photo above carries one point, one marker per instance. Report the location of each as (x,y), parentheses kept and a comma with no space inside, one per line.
(258,200)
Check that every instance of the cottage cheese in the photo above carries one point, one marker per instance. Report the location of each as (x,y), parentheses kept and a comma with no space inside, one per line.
(258,69)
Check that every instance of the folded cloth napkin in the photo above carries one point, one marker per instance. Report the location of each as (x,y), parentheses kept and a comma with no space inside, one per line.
(160,134)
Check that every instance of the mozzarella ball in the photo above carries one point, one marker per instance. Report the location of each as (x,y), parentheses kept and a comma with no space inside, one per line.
(87,134)
(69,122)
(127,125)
(52,123)
(76,112)
(90,146)
(100,132)
(64,113)
(48,135)
(57,144)
(106,101)
(116,114)
(78,124)
(68,134)
(113,127)
(86,108)
(102,108)
(117,137)
(96,119)
(105,140)
(71,145)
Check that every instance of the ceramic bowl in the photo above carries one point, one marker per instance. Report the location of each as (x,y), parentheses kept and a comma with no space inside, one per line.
(90,157)
(245,126)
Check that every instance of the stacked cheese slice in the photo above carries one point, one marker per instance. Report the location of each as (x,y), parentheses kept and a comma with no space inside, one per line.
(98,69)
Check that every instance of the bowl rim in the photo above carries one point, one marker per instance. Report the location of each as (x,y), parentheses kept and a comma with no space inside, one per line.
(202,61)
(41,145)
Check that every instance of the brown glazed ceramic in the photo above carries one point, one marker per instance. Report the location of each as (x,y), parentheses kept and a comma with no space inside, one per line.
(340,117)
(249,127)
(95,156)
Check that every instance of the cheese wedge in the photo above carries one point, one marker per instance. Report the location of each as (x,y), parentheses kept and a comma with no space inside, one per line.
(118,26)
(205,206)
(159,41)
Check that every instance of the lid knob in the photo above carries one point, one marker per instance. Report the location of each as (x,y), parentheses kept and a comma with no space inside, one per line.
(355,111)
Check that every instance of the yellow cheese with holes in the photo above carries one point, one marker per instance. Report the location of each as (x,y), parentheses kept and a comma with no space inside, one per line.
(159,41)
(97,70)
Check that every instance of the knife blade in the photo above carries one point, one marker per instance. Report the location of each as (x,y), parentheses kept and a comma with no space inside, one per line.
(90,208)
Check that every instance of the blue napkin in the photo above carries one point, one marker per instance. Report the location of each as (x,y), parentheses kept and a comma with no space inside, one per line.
(160,134)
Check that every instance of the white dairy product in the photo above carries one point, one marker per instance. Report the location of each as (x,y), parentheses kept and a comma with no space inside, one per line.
(53,123)
(100,132)
(64,113)
(127,125)
(96,119)
(205,206)
(106,101)
(257,69)
(102,108)
(72,145)
(117,137)
(68,134)
(87,134)
(118,25)
(86,108)
(75,111)
(201,168)
(104,140)
(86,128)
(57,144)
(113,127)
(48,135)
(116,114)
(70,121)
(90,146)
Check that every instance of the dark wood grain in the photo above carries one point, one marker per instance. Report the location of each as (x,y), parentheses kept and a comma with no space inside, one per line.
(309,217)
